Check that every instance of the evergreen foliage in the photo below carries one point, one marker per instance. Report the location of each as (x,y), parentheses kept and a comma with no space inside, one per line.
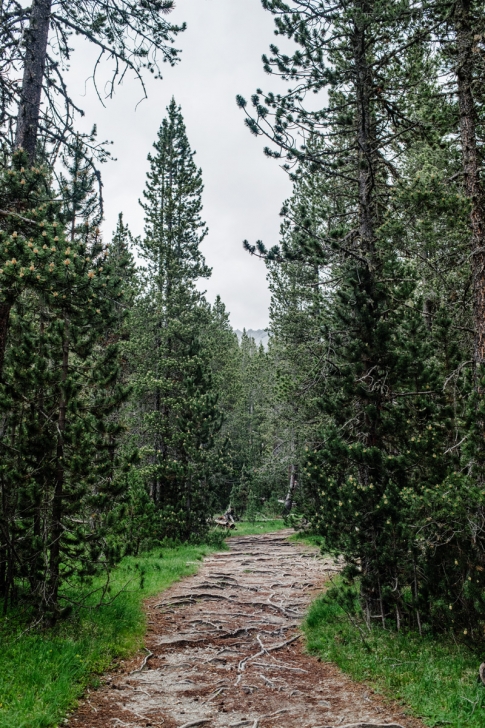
(372,288)
(130,413)
(59,474)
(178,416)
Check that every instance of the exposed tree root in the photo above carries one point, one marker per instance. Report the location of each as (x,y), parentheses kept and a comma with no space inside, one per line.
(150,654)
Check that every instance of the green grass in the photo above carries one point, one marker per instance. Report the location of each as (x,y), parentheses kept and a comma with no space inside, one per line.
(248,528)
(309,539)
(435,678)
(43,673)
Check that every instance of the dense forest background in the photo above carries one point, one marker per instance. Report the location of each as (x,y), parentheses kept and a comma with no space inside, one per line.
(131,414)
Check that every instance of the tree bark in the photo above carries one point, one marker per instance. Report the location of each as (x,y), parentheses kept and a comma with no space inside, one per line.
(365,139)
(36,38)
(4,319)
(466,60)
(58,502)
(367,164)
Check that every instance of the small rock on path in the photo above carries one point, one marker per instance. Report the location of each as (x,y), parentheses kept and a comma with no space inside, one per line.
(225,651)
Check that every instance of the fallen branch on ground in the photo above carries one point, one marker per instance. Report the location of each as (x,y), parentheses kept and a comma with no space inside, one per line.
(190,598)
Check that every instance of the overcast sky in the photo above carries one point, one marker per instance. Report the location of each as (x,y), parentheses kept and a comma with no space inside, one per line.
(244,190)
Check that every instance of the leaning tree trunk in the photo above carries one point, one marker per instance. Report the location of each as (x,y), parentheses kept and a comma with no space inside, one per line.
(291,489)
(466,61)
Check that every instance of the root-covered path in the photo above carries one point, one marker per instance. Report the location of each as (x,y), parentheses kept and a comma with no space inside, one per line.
(226,651)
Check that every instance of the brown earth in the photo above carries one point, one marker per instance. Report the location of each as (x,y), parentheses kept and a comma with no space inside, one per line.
(225,650)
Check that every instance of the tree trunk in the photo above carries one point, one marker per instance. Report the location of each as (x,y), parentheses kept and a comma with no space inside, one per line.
(367,164)
(58,502)
(466,60)
(291,489)
(4,319)
(36,37)
(365,141)
(5,556)
(369,314)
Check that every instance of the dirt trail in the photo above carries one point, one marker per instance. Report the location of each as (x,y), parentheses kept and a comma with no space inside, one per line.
(227,652)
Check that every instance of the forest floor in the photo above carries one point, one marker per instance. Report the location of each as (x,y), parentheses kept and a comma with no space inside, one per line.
(224,649)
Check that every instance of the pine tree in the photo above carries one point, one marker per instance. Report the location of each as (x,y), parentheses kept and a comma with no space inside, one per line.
(179,415)
(377,368)
(60,478)
(121,260)
(134,35)
(248,427)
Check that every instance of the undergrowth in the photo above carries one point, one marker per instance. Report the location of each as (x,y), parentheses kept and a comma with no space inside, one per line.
(253,528)
(43,672)
(310,539)
(433,676)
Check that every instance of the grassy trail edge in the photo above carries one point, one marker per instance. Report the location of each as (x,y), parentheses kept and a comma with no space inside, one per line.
(433,677)
(44,673)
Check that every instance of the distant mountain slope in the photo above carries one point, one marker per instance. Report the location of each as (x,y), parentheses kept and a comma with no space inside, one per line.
(260,336)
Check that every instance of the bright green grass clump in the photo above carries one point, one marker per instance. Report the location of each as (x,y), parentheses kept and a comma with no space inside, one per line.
(42,674)
(433,677)
(252,528)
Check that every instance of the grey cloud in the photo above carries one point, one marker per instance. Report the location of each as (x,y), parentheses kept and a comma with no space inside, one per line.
(221,57)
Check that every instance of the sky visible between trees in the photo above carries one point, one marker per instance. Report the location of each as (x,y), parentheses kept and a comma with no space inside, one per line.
(221,57)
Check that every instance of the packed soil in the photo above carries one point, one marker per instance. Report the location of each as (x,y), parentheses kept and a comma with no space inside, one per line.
(225,650)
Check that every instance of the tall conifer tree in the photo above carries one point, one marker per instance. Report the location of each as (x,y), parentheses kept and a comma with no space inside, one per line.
(363,458)
(172,367)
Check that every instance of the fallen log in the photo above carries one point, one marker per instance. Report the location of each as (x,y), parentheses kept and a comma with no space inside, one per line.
(224,524)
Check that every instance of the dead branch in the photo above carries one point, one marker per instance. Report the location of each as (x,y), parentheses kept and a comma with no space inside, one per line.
(191,598)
